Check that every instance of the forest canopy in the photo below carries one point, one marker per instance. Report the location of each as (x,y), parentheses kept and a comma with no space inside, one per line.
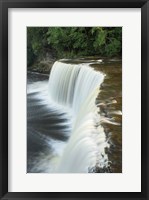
(70,42)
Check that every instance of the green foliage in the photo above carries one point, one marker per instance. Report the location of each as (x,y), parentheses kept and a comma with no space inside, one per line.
(30,56)
(100,37)
(71,42)
(67,40)
(37,38)
(113,48)
(36,41)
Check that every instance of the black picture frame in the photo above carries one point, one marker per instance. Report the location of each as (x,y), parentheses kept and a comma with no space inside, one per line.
(4,6)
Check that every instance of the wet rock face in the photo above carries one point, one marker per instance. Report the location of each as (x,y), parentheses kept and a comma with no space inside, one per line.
(97,169)
(42,67)
(44,62)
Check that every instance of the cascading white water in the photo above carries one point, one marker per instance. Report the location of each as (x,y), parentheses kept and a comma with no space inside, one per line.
(76,87)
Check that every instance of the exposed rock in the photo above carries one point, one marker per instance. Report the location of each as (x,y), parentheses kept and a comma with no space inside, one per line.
(42,67)
(44,62)
(97,169)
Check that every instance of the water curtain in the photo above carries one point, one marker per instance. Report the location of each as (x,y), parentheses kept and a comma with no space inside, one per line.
(76,87)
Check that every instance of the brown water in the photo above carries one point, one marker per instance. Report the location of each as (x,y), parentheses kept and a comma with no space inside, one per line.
(110,98)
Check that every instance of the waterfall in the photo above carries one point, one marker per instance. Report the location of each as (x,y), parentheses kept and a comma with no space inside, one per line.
(75,87)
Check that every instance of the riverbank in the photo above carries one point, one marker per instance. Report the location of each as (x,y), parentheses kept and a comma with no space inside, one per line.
(44,63)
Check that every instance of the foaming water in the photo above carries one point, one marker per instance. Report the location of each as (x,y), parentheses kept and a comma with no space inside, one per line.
(66,107)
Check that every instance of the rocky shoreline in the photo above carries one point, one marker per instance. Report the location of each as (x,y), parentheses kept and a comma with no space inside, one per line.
(43,63)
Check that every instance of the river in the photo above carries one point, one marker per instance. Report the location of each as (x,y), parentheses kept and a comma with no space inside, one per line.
(49,130)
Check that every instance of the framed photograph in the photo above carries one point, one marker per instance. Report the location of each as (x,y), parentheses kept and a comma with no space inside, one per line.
(74,99)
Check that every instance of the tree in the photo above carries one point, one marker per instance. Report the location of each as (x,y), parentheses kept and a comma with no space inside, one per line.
(71,42)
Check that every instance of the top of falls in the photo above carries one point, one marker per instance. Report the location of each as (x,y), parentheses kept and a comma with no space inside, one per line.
(71,84)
